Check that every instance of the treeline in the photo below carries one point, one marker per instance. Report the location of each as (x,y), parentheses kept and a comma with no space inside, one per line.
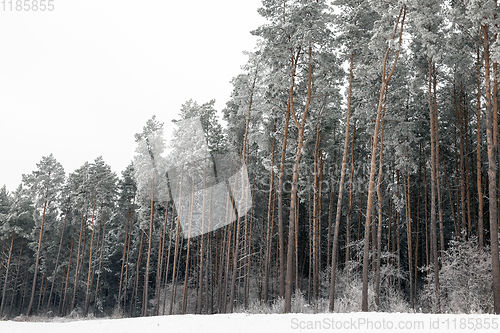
(369,133)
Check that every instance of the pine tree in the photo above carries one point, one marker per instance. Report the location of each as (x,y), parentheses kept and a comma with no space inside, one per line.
(149,161)
(44,185)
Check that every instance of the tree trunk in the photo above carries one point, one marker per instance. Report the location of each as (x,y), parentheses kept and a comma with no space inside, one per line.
(480,217)
(62,308)
(128,232)
(438,177)
(57,258)
(349,211)
(150,241)
(270,224)
(77,268)
(492,170)
(159,266)
(100,261)
(7,271)
(292,230)
(409,234)
(341,189)
(186,272)
(37,257)
(281,236)
(89,276)
(379,227)
(371,185)
(14,291)
(135,292)
(433,192)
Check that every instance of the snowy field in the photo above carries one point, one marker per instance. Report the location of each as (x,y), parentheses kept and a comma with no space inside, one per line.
(260,323)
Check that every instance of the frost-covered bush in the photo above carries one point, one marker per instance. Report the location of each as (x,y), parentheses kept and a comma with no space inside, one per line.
(254,307)
(299,305)
(348,292)
(464,279)
(349,288)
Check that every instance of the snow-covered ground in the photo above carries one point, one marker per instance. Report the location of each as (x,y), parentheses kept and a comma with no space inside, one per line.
(261,323)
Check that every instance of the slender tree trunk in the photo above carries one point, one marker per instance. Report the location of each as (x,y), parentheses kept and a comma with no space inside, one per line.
(159,266)
(341,189)
(42,291)
(127,257)
(409,234)
(316,213)
(281,236)
(480,217)
(186,272)
(1,259)
(150,241)
(269,232)
(379,227)
(438,177)
(37,257)
(371,185)
(25,289)
(417,219)
(492,170)
(6,280)
(62,309)
(100,261)
(349,211)
(81,249)
(135,292)
(176,251)
(227,269)
(202,246)
(167,265)
(221,245)
(14,284)
(128,232)
(235,266)
(433,193)
(57,258)
(398,232)
(249,254)
(174,275)
(450,195)
(89,276)
(459,110)
(292,230)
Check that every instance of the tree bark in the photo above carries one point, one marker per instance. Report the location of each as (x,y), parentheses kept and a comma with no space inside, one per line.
(89,276)
(480,217)
(492,174)
(433,235)
(37,256)
(379,227)
(292,230)
(371,185)
(7,271)
(341,188)
(57,258)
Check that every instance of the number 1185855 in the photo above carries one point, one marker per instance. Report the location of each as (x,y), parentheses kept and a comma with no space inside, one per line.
(27,5)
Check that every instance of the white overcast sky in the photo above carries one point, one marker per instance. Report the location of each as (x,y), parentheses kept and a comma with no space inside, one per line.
(81,80)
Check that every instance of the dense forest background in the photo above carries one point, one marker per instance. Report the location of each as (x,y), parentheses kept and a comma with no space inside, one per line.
(369,132)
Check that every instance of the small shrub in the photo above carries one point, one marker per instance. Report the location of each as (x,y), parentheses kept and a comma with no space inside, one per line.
(464,279)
